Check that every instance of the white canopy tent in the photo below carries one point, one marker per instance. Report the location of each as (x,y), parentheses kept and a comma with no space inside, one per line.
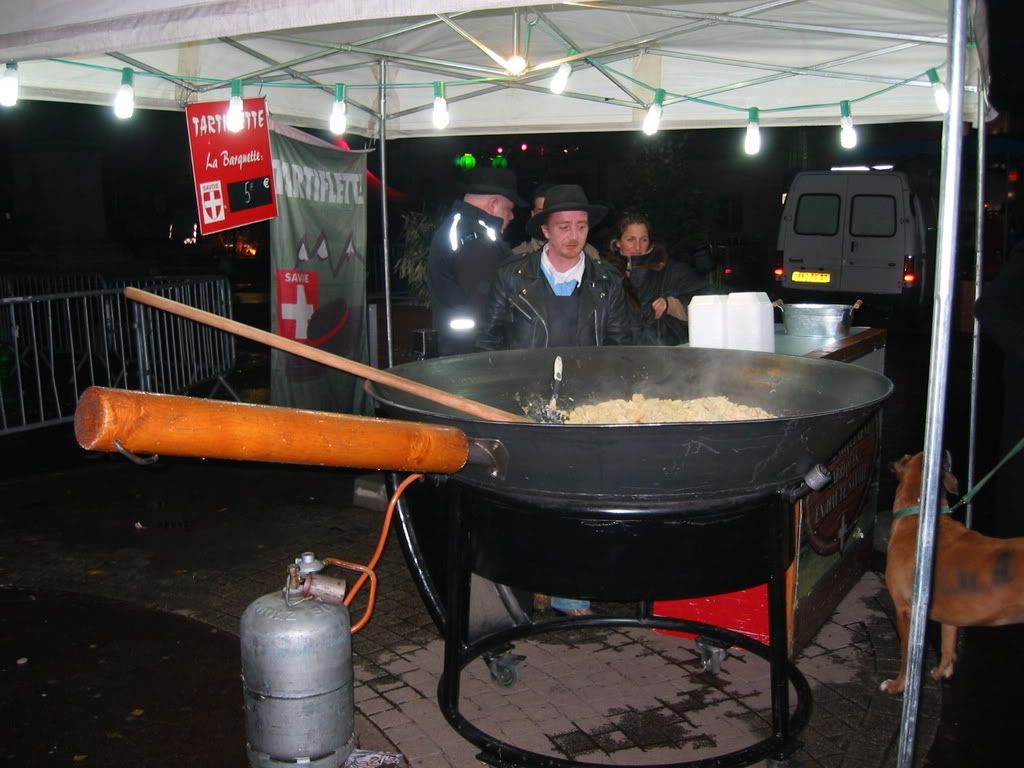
(798,62)
(793,60)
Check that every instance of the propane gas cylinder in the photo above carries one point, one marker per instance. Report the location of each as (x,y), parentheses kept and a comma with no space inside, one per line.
(296,680)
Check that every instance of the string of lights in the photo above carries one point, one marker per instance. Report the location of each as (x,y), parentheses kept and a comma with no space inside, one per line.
(516,66)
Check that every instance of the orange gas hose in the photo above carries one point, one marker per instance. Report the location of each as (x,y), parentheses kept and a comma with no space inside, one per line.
(367,571)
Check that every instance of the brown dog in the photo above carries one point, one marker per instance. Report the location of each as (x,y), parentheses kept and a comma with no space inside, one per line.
(979,581)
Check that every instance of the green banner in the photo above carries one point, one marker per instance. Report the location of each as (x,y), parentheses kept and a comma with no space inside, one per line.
(318,278)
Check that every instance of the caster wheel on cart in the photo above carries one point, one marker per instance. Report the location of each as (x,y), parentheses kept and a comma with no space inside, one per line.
(504,668)
(504,675)
(711,655)
(773,763)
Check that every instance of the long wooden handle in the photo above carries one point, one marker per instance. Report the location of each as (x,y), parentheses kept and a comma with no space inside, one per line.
(472,407)
(187,426)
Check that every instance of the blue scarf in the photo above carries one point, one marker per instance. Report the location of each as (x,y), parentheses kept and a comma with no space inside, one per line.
(561,289)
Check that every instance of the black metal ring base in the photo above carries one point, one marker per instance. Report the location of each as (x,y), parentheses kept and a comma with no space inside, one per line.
(778,746)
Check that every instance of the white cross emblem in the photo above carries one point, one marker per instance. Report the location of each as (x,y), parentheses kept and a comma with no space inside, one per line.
(213,201)
(301,311)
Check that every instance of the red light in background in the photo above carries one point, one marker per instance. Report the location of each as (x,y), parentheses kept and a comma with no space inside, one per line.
(909,278)
(1012,175)
(727,271)
(778,271)
(524,146)
(499,150)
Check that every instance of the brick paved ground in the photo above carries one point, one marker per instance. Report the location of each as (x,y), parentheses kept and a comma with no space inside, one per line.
(203,539)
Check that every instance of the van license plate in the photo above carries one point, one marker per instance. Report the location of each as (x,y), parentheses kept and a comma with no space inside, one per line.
(812,277)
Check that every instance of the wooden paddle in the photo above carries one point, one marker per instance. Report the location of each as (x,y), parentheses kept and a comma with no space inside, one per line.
(141,422)
(472,407)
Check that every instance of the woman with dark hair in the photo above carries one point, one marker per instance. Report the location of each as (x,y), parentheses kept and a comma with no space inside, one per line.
(658,289)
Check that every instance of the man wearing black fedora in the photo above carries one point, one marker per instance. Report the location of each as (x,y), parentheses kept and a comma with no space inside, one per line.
(464,256)
(535,243)
(555,296)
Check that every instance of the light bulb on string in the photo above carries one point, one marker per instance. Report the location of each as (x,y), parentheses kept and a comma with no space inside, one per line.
(440,115)
(338,122)
(847,133)
(752,139)
(653,118)
(124,100)
(235,118)
(560,80)
(939,92)
(9,85)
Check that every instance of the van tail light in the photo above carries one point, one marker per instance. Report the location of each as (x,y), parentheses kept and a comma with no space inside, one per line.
(909,274)
(778,273)
(727,271)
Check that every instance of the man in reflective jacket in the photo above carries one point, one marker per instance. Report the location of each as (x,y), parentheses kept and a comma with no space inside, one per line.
(464,256)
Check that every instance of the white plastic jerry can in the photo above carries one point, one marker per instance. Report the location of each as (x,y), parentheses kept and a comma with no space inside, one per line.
(749,322)
(706,317)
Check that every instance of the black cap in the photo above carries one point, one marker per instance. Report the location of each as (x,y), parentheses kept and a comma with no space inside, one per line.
(493,181)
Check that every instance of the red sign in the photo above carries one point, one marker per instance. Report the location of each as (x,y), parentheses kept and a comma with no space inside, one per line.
(298,296)
(232,171)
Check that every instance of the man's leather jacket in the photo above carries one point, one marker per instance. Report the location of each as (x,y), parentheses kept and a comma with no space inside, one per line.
(516,316)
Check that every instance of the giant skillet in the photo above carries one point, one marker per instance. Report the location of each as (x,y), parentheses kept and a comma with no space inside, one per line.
(554,501)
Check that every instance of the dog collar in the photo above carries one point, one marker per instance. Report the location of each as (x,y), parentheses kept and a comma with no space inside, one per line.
(908,511)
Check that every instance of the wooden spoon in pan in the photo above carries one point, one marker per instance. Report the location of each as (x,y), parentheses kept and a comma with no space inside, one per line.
(463,404)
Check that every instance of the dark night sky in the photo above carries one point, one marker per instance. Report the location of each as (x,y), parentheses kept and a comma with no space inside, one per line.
(1006,55)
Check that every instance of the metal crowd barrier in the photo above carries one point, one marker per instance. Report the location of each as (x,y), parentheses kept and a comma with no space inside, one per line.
(41,284)
(53,346)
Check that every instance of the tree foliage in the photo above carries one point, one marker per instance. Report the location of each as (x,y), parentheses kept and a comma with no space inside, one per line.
(658,183)
(413,247)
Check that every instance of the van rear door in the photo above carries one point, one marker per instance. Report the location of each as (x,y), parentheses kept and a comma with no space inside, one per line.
(812,235)
(873,246)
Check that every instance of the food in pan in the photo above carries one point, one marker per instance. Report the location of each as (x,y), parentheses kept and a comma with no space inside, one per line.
(649,410)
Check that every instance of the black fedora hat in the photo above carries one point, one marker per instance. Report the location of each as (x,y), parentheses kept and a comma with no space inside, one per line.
(564,197)
(492,181)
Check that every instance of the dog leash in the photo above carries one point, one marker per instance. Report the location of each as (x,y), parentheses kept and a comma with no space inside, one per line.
(916,510)
(981,483)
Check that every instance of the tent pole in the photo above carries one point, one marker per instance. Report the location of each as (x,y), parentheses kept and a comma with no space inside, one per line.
(979,263)
(384,208)
(949,194)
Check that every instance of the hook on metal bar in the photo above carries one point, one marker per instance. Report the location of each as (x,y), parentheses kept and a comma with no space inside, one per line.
(134,457)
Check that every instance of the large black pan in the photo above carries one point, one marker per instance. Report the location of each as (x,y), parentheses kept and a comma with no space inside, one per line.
(818,405)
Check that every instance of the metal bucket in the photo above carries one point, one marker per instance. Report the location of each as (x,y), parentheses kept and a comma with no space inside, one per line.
(829,321)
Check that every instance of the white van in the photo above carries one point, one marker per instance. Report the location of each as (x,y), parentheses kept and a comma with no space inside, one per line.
(852,234)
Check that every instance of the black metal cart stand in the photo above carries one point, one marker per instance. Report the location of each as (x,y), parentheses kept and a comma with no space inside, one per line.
(486,534)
